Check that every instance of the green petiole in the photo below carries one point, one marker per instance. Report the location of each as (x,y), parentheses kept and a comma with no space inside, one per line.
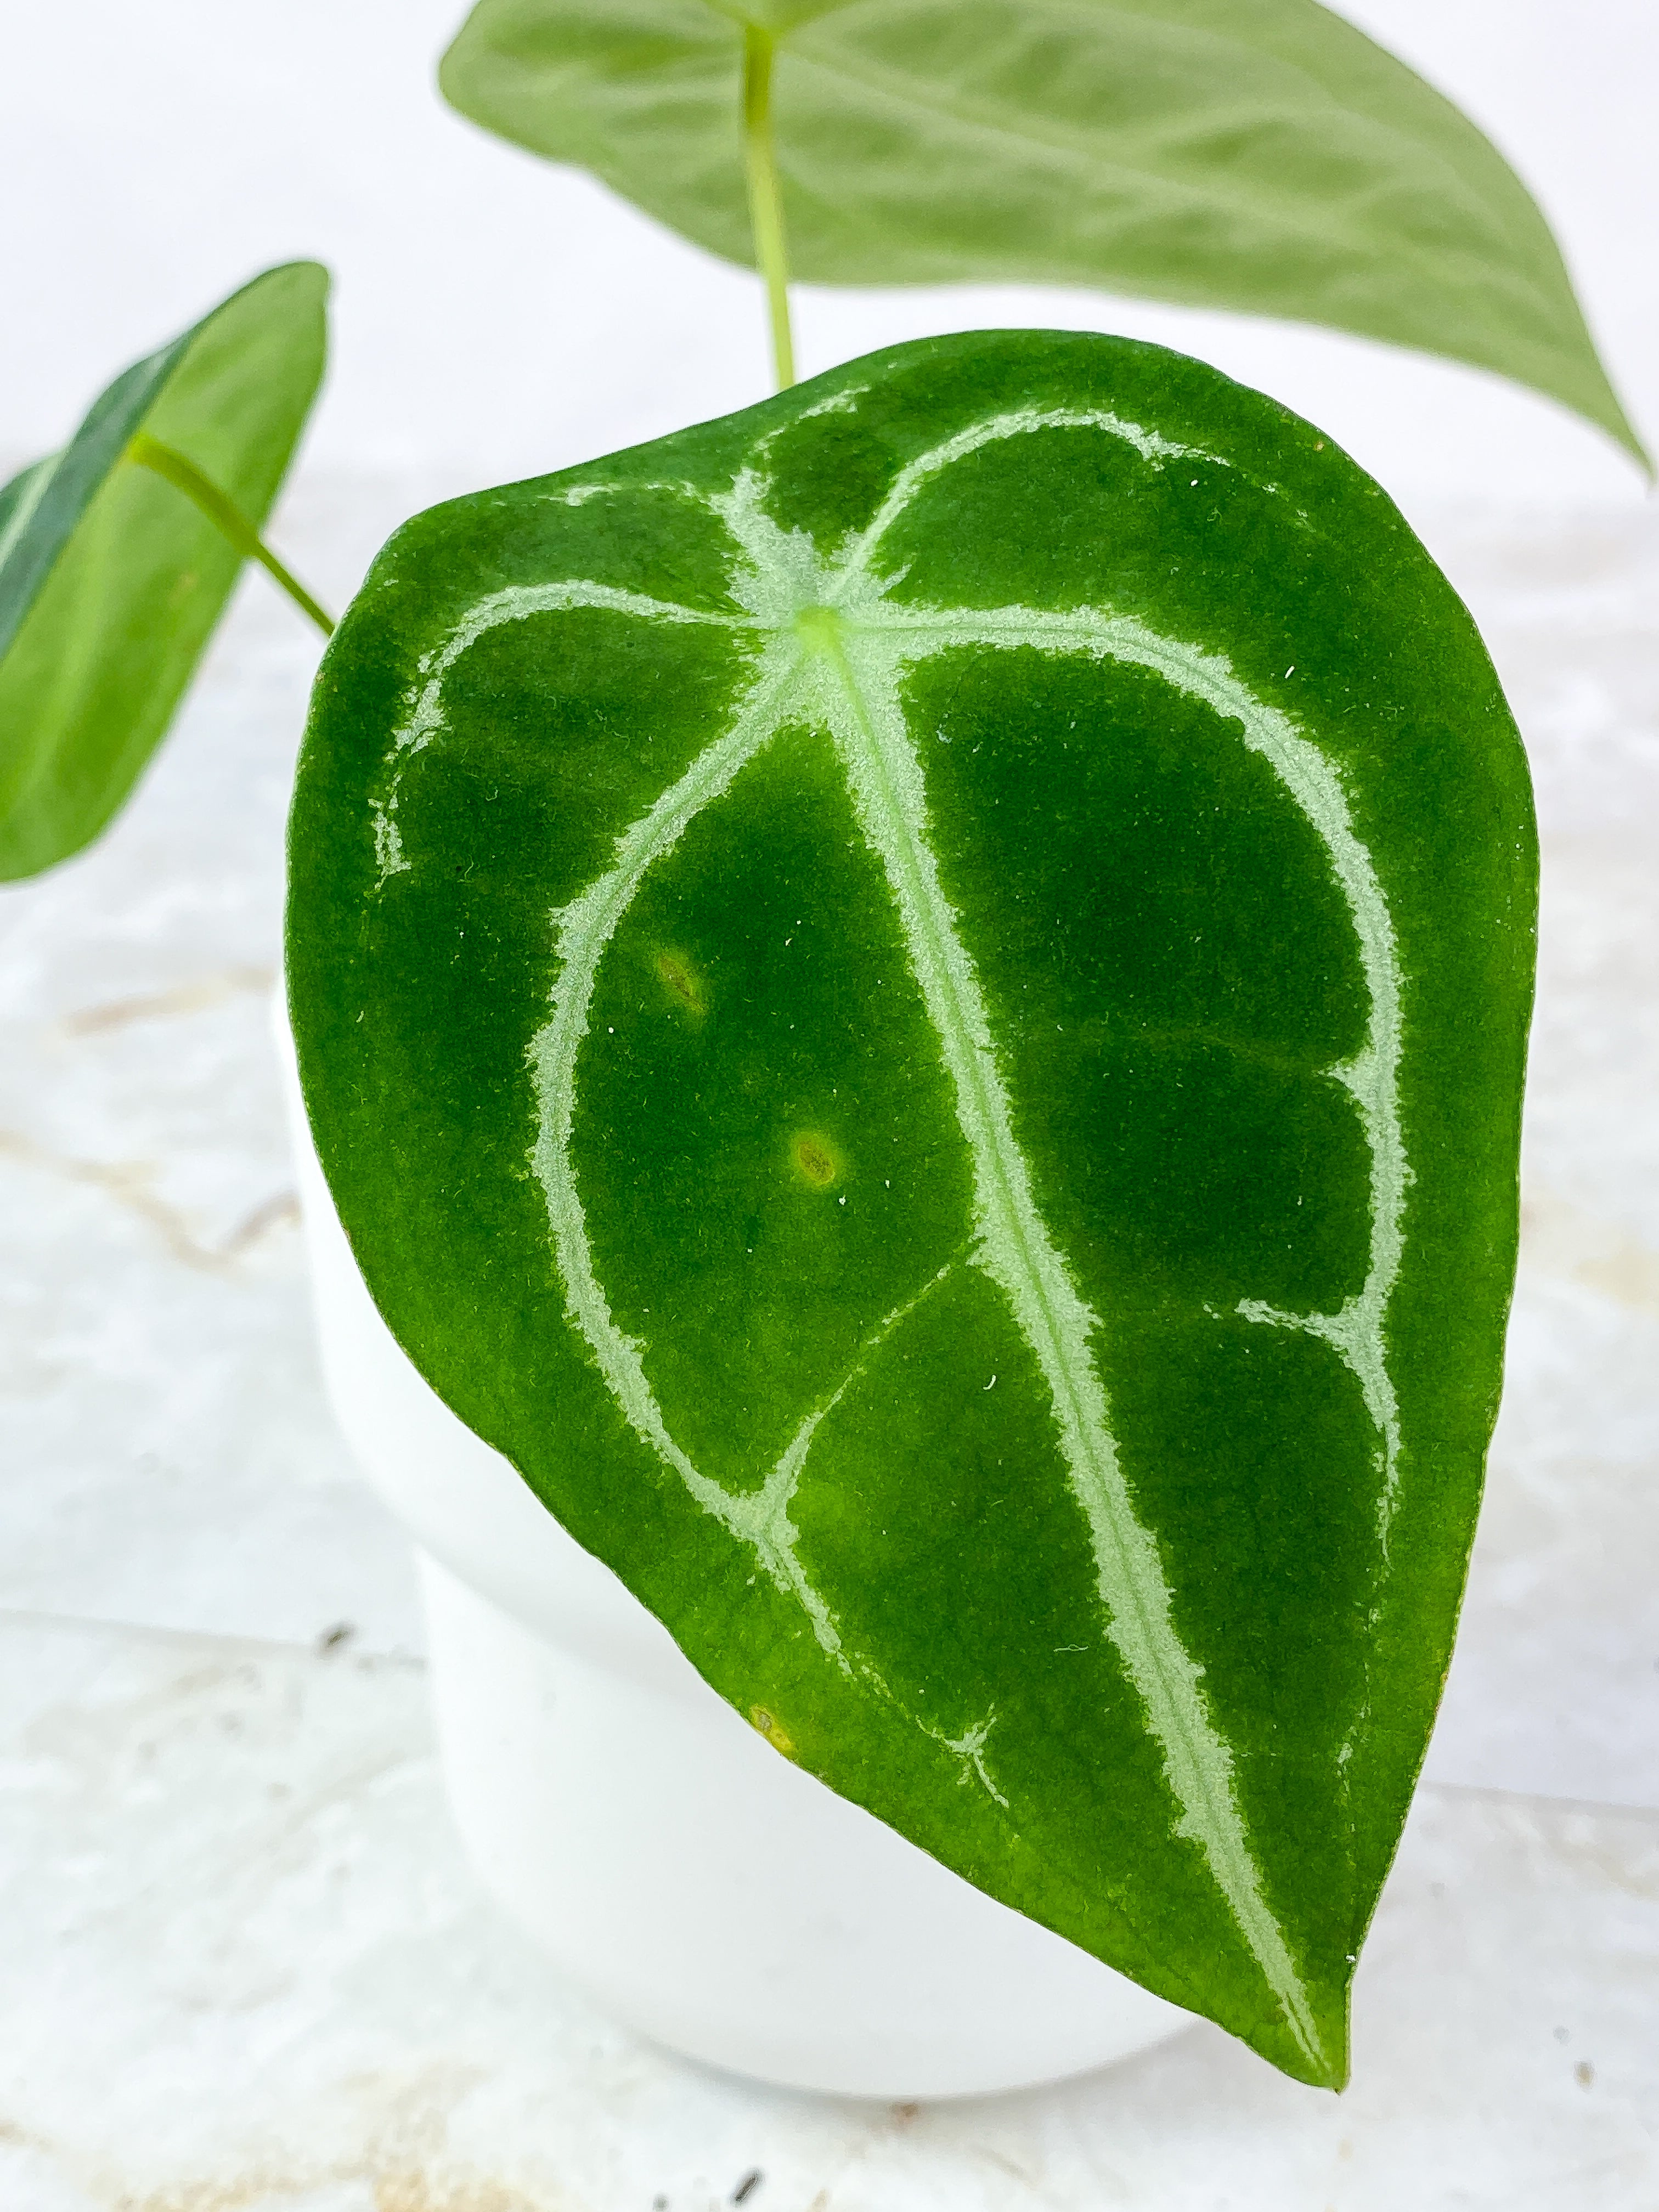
(148,452)
(765,199)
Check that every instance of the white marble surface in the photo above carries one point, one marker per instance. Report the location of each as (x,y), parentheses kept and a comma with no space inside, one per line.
(248,1970)
(242,1966)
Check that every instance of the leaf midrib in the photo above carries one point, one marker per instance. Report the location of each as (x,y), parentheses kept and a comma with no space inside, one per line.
(1197,1761)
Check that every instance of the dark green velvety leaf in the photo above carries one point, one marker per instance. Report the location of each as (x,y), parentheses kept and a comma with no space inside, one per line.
(915,1000)
(111,581)
(1256,155)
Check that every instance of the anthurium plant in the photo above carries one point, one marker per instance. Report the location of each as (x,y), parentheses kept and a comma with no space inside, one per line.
(915,1000)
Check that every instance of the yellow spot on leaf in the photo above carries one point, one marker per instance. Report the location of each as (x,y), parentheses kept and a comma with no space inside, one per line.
(816,1159)
(769,1728)
(685,987)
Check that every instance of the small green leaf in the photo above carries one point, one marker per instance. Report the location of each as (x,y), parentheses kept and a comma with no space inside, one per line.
(914,1001)
(111,581)
(1255,154)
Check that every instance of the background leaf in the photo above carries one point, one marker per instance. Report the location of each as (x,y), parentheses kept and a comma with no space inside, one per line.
(914,1001)
(1256,155)
(111,582)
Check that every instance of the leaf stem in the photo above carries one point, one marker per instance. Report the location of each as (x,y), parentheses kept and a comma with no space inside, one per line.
(226,518)
(765,199)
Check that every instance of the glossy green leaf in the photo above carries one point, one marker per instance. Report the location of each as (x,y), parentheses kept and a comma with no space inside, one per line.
(1257,155)
(111,581)
(914,999)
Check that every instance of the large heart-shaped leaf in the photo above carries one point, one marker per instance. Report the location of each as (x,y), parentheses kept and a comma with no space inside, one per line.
(914,1001)
(111,580)
(1260,154)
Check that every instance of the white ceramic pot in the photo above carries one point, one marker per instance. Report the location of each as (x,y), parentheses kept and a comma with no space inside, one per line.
(695,1883)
